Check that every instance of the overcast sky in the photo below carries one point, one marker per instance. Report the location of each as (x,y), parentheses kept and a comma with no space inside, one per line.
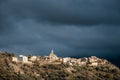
(74,28)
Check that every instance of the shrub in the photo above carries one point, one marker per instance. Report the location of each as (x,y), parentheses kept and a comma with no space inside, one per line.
(108,75)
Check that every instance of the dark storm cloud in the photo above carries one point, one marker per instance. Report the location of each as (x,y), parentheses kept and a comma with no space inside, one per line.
(6,24)
(70,27)
(78,12)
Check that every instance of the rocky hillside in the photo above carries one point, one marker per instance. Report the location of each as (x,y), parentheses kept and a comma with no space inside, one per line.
(55,71)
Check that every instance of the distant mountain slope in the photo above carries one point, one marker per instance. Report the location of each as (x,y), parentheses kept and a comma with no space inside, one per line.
(20,71)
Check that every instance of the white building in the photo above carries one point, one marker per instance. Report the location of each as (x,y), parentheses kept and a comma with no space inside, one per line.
(66,59)
(33,58)
(14,59)
(93,64)
(93,59)
(23,58)
(46,57)
(52,56)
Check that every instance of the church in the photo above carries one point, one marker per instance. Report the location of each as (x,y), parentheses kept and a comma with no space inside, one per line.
(52,56)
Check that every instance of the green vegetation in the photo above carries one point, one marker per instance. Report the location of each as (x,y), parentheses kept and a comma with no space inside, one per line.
(18,71)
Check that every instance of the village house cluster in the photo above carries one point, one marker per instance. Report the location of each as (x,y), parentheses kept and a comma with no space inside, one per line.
(90,61)
(29,59)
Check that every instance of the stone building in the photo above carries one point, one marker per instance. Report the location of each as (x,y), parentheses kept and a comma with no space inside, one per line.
(93,59)
(65,60)
(94,64)
(14,59)
(33,58)
(52,56)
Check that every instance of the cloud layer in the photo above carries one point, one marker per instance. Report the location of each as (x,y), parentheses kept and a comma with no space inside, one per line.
(70,27)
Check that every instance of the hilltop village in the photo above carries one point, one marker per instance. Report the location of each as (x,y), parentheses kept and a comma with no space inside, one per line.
(52,58)
(21,67)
